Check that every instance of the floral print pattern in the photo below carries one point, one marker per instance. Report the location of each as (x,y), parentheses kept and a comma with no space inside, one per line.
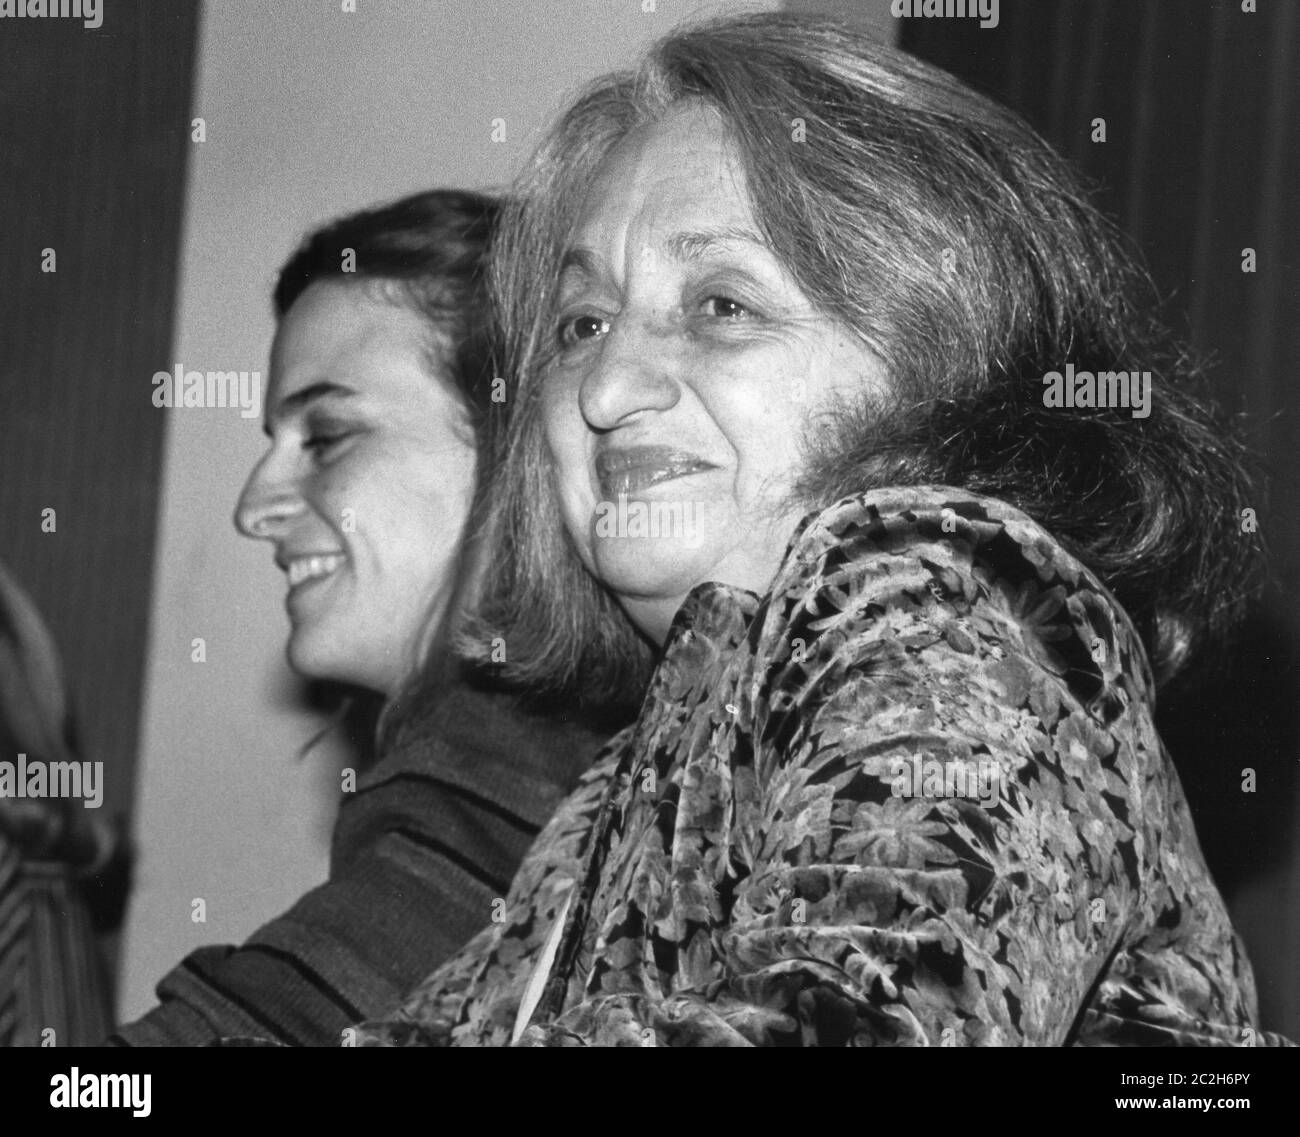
(744,864)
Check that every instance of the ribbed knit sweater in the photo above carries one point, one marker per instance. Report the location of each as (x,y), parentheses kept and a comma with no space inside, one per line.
(431,837)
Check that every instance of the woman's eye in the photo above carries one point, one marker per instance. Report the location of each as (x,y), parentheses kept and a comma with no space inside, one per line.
(579,328)
(321,442)
(725,308)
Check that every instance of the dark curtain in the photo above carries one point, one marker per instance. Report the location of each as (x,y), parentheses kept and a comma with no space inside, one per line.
(94,141)
(1201,102)
(94,138)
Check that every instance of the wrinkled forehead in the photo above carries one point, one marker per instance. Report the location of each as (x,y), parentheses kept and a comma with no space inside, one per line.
(678,174)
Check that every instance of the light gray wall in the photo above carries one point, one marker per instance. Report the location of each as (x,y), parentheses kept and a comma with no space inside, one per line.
(873,15)
(309,112)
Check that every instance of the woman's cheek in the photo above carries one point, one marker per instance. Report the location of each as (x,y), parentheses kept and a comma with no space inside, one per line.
(566,444)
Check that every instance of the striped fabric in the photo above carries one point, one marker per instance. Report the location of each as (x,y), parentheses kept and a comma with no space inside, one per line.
(53,990)
(52,987)
(431,837)
(58,996)
(13,944)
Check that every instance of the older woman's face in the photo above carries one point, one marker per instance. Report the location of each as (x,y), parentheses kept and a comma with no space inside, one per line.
(366,487)
(689,369)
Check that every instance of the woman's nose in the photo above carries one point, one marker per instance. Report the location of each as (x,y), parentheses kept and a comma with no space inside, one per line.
(266,507)
(634,372)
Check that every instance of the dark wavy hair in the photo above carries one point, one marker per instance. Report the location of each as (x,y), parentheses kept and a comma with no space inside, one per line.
(939,228)
(428,252)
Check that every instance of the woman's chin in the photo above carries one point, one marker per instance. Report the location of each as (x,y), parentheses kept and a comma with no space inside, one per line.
(648,569)
(349,660)
(313,660)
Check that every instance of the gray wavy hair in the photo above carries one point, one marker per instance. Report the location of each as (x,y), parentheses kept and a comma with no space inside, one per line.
(938,227)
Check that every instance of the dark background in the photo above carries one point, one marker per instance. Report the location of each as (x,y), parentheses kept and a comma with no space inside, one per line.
(94,138)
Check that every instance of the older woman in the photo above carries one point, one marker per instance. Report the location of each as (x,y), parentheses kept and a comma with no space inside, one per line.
(377,411)
(782,305)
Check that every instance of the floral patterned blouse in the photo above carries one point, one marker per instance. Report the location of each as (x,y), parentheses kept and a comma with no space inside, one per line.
(912,796)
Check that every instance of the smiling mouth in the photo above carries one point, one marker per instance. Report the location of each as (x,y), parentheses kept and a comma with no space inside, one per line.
(302,569)
(627,471)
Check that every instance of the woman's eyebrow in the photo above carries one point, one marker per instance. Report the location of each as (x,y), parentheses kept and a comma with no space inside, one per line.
(579,260)
(688,245)
(696,244)
(304,397)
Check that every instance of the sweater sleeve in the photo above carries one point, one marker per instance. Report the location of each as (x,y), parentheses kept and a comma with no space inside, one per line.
(935,841)
(427,843)
(422,885)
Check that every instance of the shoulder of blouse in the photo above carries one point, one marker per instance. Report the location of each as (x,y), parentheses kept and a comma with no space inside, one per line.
(955,559)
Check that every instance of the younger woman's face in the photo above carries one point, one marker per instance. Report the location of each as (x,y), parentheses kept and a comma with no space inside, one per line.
(367,485)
